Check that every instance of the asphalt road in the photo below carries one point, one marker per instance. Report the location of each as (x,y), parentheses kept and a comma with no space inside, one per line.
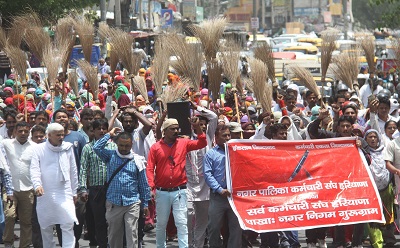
(150,241)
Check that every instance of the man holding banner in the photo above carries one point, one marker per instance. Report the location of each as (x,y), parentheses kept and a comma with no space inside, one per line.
(215,176)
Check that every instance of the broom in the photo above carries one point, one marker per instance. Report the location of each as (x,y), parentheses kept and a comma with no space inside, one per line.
(189,59)
(262,90)
(65,37)
(396,47)
(20,24)
(85,30)
(264,53)
(91,77)
(248,83)
(327,47)
(210,32)
(73,82)
(307,80)
(18,60)
(346,68)
(160,67)
(140,84)
(174,93)
(230,55)
(37,40)
(3,39)
(214,70)
(368,45)
(121,43)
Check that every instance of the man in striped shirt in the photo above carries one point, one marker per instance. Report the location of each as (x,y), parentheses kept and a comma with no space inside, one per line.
(93,175)
(127,191)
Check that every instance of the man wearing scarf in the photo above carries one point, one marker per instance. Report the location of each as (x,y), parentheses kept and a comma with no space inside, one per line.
(55,180)
(127,191)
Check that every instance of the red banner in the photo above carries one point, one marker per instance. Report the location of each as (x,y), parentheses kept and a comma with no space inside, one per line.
(279,185)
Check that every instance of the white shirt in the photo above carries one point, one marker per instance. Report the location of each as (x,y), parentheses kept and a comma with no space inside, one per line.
(56,206)
(3,132)
(19,163)
(365,92)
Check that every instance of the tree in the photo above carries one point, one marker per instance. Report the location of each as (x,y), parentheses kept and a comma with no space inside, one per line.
(49,10)
(389,17)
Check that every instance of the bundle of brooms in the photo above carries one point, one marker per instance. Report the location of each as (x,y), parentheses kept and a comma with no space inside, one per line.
(306,79)
(175,92)
(262,89)
(327,47)
(73,82)
(85,30)
(345,68)
(37,40)
(140,84)
(189,59)
(91,77)
(248,83)
(230,55)
(264,53)
(107,33)
(19,24)
(160,67)
(121,43)
(209,33)
(18,60)
(368,45)
(3,39)
(214,70)
(65,37)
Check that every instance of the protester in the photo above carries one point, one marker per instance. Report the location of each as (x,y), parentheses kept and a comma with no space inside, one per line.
(55,180)
(214,175)
(127,191)
(23,189)
(166,174)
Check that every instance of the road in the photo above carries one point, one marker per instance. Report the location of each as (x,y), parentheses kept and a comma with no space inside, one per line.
(150,241)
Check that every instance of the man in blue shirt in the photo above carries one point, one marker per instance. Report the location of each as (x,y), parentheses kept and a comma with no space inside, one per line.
(126,191)
(215,176)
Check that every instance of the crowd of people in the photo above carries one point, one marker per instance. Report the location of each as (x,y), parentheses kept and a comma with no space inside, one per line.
(118,167)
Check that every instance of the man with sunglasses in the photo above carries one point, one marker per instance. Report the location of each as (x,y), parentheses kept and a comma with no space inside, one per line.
(166,173)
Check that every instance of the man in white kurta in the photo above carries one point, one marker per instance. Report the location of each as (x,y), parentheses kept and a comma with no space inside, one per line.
(55,180)
(23,190)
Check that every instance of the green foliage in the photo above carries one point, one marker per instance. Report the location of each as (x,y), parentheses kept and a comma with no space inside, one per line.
(373,14)
(49,10)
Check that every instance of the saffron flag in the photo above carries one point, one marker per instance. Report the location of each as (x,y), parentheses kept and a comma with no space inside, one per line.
(290,185)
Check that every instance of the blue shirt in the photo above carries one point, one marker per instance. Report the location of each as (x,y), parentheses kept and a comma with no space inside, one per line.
(129,185)
(78,142)
(214,169)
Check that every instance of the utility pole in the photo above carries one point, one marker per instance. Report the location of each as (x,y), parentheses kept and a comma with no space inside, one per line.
(117,13)
(140,15)
(263,14)
(346,21)
(254,15)
(149,14)
(103,11)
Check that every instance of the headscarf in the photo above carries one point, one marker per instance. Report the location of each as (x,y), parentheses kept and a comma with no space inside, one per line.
(123,100)
(315,112)
(9,89)
(292,133)
(378,166)
(140,101)
(9,101)
(9,83)
(101,103)
(296,88)
(120,90)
